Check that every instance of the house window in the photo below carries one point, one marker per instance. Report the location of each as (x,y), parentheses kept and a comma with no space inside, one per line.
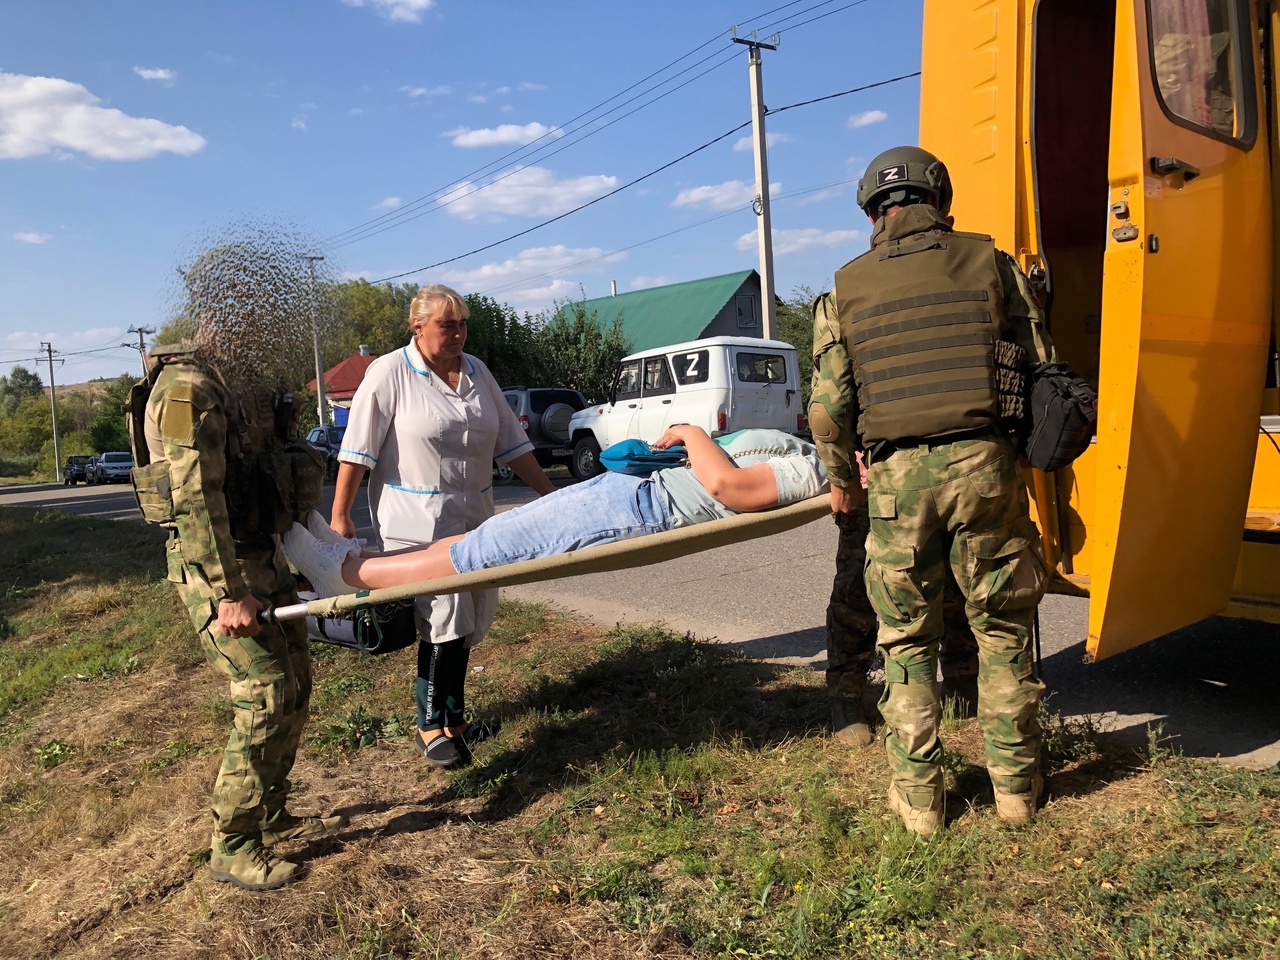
(748,311)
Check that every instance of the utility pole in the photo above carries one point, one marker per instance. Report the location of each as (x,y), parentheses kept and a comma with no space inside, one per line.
(764,226)
(322,408)
(53,401)
(142,346)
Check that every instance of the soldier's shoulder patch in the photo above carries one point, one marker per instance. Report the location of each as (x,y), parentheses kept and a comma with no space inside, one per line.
(178,419)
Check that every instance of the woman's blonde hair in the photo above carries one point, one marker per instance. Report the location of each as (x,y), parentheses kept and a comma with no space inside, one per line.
(434,299)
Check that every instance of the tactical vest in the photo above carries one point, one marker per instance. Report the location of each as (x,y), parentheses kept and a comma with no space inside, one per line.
(272,477)
(920,318)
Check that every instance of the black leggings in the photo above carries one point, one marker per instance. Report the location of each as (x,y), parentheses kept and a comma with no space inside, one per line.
(442,674)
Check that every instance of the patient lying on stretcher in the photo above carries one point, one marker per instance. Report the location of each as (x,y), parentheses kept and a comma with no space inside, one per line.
(742,472)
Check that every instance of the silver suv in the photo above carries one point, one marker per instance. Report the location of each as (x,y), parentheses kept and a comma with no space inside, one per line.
(113,467)
(544,413)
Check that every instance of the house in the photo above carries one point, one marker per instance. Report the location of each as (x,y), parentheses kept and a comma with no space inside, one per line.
(342,380)
(727,305)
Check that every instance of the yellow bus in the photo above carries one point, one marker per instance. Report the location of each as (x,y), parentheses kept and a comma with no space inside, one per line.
(1121,150)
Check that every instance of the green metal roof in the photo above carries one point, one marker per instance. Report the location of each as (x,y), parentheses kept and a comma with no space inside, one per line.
(661,315)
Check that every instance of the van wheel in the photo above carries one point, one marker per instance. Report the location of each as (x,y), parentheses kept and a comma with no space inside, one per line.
(586,459)
(504,472)
(555,422)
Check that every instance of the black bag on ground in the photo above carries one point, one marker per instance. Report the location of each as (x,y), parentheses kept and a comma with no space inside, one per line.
(378,629)
(1064,417)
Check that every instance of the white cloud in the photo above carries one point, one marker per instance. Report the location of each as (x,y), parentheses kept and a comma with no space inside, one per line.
(476,98)
(40,115)
(356,111)
(299,122)
(33,238)
(743,145)
(507,108)
(443,90)
(529,191)
(397,11)
(526,85)
(161,74)
(503,135)
(721,196)
(502,90)
(644,282)
(802,241)
(531,262)
(867,118)
(389,203)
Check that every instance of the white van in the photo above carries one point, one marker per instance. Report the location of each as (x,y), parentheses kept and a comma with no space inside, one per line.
(721,384)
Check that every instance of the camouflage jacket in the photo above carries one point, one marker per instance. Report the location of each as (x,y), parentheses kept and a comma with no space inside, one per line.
(186,426)
(834,398)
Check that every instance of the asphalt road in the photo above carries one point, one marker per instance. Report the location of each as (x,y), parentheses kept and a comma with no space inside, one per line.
(1211,685)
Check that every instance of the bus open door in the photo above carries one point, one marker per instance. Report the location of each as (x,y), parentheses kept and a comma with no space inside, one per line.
(1186,317)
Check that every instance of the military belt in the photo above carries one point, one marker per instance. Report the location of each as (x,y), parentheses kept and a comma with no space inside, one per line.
(882,449)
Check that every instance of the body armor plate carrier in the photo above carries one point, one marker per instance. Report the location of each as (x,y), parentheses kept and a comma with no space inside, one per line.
(920,318)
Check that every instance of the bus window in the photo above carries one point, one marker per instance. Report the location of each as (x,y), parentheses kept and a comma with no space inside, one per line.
(1203,70)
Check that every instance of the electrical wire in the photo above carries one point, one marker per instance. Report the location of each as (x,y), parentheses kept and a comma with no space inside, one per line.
(662,236)
(440,205)
(632,183)
(523,152)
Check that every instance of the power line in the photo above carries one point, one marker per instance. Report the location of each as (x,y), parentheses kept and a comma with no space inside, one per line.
(632,183)
(441,204)
(662,236)
(434,199)
(525,147)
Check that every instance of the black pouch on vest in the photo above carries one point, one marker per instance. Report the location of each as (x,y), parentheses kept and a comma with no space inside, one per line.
(1064,417)
(306,471)
(379,629)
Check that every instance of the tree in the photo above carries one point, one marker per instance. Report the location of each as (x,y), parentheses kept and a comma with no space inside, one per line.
(110,430)
(373,314)
(498,337)
(795,326)
(572,350)
(16,387)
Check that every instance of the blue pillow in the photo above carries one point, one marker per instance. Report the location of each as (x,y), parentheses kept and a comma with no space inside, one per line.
(635,457)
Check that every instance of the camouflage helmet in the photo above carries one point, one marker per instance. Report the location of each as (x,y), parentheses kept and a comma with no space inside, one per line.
(901,174)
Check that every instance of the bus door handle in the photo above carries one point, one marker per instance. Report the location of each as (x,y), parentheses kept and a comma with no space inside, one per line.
(1167,166)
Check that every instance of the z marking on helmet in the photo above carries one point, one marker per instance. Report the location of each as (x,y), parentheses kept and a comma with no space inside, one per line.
(891,174)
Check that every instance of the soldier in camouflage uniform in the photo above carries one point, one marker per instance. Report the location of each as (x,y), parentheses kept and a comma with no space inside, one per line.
(214,468)
(851,622)
(939,325)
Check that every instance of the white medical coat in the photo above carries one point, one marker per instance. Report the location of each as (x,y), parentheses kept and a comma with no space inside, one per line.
(430,453)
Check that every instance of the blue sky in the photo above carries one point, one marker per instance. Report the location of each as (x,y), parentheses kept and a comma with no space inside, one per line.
(129,129)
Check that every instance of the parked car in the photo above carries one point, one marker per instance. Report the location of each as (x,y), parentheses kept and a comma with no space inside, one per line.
(91,470)
(114,467)
(721,384)
(544,413)
(73,471)
(328,440)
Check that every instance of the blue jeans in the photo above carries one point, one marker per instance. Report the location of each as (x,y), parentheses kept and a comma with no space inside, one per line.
(612,506)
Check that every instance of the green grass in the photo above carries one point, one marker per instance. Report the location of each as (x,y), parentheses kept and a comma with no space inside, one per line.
(685,798)
(81,601)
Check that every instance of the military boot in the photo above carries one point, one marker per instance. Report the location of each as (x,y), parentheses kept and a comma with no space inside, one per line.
(924,822)
(1019,807)
(849,721)
(285,826)
(249,866)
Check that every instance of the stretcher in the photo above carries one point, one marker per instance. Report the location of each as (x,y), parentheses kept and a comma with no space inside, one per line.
(620,555)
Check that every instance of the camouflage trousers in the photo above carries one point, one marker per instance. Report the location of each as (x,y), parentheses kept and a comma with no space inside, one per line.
(960,507)
(852,623)
(270,686)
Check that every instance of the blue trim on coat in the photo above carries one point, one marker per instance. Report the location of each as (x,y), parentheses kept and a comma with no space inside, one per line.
(357,453)
(415,490)
(522,443)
